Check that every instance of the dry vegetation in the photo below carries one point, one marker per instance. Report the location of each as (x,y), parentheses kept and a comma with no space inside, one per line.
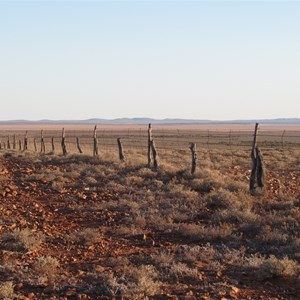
(79,227)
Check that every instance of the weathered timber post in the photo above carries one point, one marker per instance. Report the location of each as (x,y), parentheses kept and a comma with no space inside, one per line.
(254,161)
(0,145)
(78,145)
(149,145)
(253,174)
(8,143)
(25,141)
(260,173)
(121,155)
(154,154)
(20,145)
(208,138)
(52,144)
(43,148)
(254,140)
(14,142)
(258,170)
(95,148)
(282,143)
(194,157)
(63,143)
(34,144)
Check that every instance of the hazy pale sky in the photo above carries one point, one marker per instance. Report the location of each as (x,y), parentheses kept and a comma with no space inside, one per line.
(162,59)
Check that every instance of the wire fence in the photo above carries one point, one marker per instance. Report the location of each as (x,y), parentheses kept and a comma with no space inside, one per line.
(166,139)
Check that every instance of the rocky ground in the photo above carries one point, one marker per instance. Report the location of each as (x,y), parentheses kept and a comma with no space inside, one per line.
(65,234)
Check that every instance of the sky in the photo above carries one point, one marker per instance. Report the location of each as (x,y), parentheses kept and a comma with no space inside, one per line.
(216,60)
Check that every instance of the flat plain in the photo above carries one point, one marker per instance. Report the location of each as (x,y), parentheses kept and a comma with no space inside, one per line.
(84,227)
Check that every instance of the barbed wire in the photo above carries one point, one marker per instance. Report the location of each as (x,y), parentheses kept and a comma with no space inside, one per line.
(164,139)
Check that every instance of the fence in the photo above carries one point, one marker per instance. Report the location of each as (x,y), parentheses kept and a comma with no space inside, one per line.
(107,140)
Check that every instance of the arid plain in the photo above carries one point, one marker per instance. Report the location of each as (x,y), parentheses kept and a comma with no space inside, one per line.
(94,227)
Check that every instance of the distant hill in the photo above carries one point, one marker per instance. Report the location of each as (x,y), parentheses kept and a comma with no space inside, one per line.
(141,121)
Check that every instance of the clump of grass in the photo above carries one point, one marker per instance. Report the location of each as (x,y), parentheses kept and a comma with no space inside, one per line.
(163,259)
(47,267)
(179,270)
(22,240)
(197,232)
(206,184)
(222,199)
(7,290)
(135,283)
(87,236)
(275,267)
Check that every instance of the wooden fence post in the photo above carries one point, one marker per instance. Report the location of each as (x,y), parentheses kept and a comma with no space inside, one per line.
(258,170)
(120,147)
(52,144)
(260,174)
(254,140)
(25,141)
(8,143)
(43,148)
(20,145)
(254,161)
(63,142)
(282,143)
(95,148)
(208,139)
(14,142)
(78,145)
(149,145)
(154,154)
(194,157)
(34,144)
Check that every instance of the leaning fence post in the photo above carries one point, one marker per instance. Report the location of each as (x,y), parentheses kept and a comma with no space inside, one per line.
(120,147)
(254,141)
(8,143)
(43,148)
(95,148)
(63,142)
(78,145)
(25,141)
(194,157)
(149,145)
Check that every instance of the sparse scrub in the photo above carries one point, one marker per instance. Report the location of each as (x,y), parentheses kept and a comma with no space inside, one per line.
(122,230)
(87,236)
(47,268)
(135,283)
(7,290)
(274,267)
(22,240)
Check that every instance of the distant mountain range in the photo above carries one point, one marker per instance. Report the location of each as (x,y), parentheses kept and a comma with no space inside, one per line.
(141,121)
